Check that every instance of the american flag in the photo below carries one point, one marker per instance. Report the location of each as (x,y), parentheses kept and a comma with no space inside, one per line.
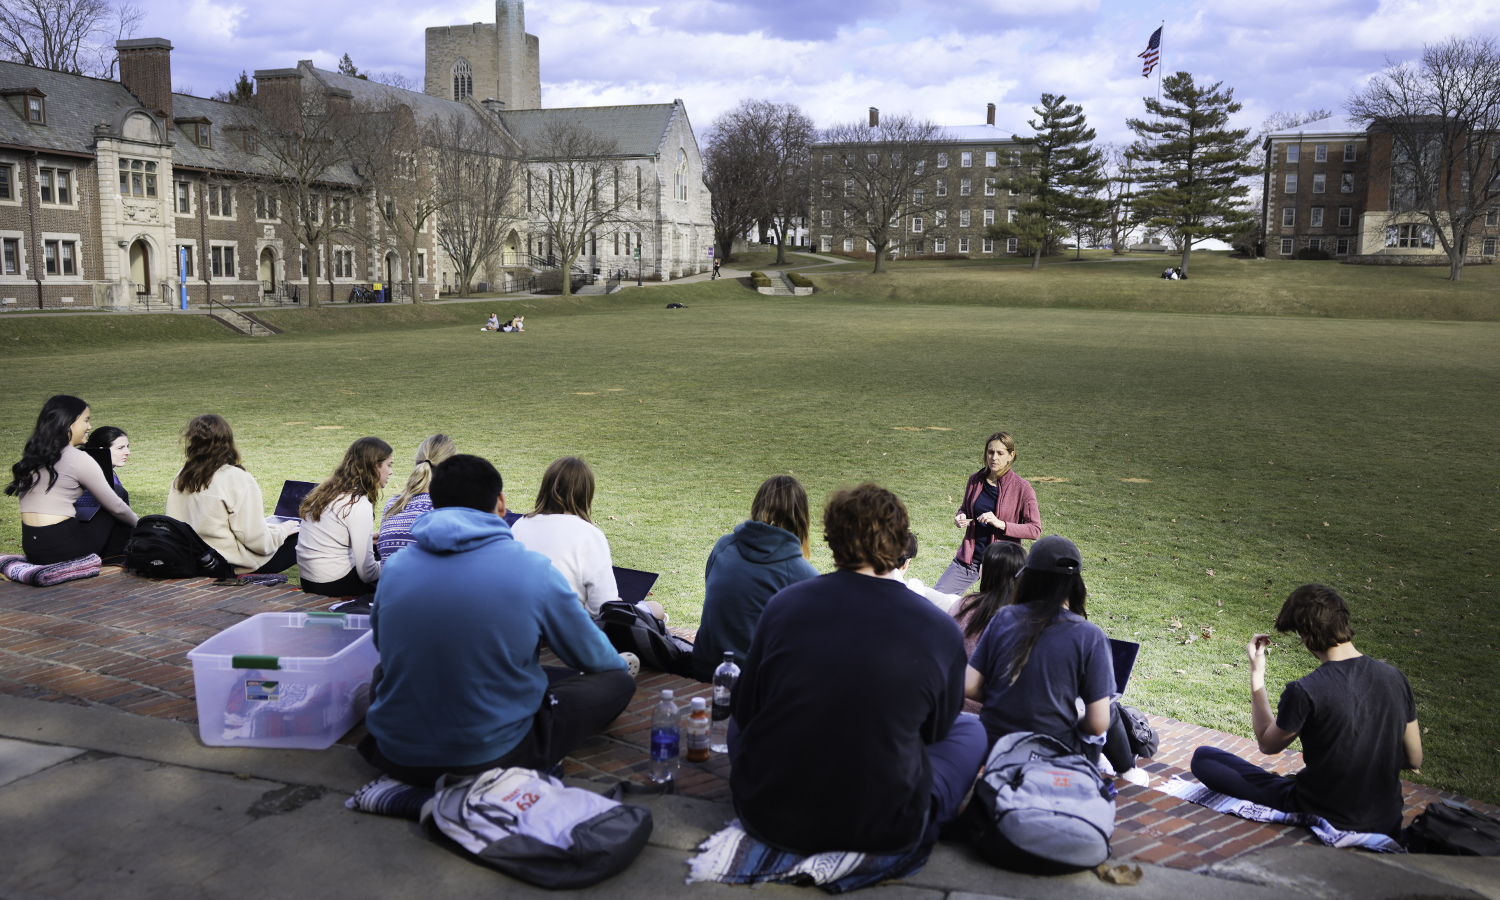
(1152,53)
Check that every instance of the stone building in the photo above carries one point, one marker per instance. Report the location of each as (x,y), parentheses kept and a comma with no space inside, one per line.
(967,164)
(1327,187)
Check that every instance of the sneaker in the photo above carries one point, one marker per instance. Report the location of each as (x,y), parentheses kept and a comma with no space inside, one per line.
(1138,776)
(632,663)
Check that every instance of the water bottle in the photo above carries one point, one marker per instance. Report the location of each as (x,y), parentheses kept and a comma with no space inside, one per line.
(666,738)
(697,731)
(724,678)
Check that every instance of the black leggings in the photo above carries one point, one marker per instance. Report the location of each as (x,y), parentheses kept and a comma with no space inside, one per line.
(284,558)
(75,538)
(350,585)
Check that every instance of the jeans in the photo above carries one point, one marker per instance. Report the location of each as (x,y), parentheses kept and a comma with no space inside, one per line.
(350,585)
(958,577)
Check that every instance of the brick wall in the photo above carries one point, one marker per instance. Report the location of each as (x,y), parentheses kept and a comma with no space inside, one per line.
(33,223)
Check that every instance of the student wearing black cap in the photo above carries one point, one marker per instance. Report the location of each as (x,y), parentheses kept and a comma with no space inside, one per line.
(1041,654)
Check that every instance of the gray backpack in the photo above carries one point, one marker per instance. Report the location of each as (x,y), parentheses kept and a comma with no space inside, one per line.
(1042,808)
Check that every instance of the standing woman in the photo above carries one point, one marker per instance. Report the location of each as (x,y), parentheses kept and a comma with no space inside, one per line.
(405,508)
(336,549)
(110,448)
(50,477)
(560,529)
(222,502)
(998,505)
(746,568)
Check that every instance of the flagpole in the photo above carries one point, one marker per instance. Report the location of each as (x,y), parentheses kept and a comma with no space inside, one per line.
(1159,66)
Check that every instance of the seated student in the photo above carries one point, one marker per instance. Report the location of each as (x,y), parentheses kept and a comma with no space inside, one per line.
(517,323)
(1040,654)
(217,498)
(336,550)
(1355,715)
(846,733)
(493,324)
(766,553)
(461,690)
(1001,563)
(49,479)
(110,447)
(404,508)
(939,599)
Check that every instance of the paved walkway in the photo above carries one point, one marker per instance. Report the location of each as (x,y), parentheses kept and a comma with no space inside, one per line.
(119,642)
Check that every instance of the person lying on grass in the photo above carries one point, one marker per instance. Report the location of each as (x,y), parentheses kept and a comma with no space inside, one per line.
(1355,715)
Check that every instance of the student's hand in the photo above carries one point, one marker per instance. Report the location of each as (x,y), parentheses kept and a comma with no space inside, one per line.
(961,520)
(1256,652)
(290,528)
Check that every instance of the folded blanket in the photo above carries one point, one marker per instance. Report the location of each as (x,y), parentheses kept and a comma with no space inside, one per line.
(263,580)
(385,796)
(734,857)
(1193,792)
(16,568)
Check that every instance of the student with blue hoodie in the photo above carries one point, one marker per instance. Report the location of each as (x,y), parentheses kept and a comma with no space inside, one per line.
(461,689)
(746,568)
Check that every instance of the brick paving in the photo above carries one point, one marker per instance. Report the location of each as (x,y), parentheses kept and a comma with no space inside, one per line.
(121,642)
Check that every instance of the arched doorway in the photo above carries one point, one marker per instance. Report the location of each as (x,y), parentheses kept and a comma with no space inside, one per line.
(140,266)
(392,269)
(512,252)
(267,271)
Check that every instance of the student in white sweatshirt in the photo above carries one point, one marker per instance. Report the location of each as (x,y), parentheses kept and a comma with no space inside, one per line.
(336,548)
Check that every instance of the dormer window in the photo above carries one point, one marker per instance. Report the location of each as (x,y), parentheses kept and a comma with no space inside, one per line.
(36,110)
(202,135)
(250,142)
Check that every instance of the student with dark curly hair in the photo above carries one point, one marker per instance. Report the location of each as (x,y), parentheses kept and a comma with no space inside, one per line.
(1355,715)
(846,733)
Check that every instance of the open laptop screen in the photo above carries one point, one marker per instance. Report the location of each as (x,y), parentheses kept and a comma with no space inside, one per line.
(289,505)
(634,584)
(1124,653)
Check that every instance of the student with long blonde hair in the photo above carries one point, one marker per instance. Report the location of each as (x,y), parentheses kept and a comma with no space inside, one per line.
(560,528)
(217,498)
(413,501)
(336,550)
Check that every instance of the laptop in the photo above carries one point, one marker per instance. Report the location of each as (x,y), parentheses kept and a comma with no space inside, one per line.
(87,505)
(1124,653)
(289,505)
(634,584)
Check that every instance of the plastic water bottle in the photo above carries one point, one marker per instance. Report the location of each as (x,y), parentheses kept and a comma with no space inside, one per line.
(666,739)
(724,678)
(697,731)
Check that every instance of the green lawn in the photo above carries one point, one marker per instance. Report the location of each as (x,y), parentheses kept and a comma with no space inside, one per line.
(1206,464)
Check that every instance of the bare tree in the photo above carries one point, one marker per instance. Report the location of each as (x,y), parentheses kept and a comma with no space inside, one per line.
(1119,184)
(390,150)
(761,153)
(474,172)
(882,177)
(729,171)
(1440,120)
(574,189)
(76,36)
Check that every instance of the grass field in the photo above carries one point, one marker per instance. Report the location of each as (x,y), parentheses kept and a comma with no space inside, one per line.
(1206,464)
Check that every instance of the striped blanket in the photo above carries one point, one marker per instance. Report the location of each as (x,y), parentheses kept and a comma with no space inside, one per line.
(1193,792)
(16,568)
(734,857)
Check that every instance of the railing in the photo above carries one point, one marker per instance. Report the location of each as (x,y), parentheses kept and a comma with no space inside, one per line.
(289,293)
(612,282)
(515,284)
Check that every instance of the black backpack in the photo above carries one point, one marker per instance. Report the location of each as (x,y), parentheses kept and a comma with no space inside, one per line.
(1143,738)
(633,630)
(163,547)
(1454,830)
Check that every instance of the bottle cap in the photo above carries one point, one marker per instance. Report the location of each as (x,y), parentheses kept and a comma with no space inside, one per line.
(666,694)
(729,656)
(699,703)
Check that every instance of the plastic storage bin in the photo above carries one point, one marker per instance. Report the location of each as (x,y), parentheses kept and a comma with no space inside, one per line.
(298,680)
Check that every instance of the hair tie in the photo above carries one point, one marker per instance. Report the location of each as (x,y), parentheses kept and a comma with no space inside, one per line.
(424,462)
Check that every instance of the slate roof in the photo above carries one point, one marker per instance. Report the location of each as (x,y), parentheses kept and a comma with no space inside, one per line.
(975,134)
(636,130)
(74,103)
(424,106)
(1329,127)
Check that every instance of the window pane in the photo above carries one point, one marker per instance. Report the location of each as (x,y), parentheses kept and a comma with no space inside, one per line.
(150,167)
(51,256)
(150,185)
(5,183)
(136,164)
(67,259)
(135,185)
(46,185)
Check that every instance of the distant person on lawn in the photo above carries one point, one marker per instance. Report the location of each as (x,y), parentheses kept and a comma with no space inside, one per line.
(846,733)
(1355,715)
(458,620)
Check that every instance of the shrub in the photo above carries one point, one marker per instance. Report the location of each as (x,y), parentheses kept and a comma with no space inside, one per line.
(800,280)
(549,280)
(1310,253)
(760,280)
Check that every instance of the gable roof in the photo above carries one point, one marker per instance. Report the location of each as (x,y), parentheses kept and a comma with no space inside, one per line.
(635,130)
(424,107)
(75,104)
(1333,126)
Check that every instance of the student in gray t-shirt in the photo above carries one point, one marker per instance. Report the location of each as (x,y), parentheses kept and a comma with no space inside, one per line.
(1355,715)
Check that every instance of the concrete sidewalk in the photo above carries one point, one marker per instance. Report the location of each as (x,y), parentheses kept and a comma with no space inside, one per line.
(96,803)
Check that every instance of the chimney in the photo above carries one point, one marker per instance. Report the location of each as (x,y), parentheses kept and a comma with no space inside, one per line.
(278,88)
(989,117)
(874,117)
(493,106)
(146,72)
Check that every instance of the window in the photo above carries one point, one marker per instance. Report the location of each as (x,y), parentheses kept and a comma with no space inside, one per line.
(1342,247)
(1349,153)
(137,178)
(966,160)
(265,205)
(942,160)
(12,258)
(188,269)
(182,192)
(916,196)
(1317,217)
(59,257)
(1289,217)
(942,188)
(1346,216)
(869,246)
(1404,237)
(36,111)
(1291,183)
(463,80)
(422,259)
(848,217)
(202,132)
(1293,152)
(827,160)
(989,187)
(940,246)
(223,262)
(343,264)
(1315,244)
(306,263)
(848,245)
(249,140)
(825,218)
(1320,182)
(989,245)
(940,218)
(965,187)
(827,243)
(220,201)
(849,187)
(1010,215)
(342,212)
(681,176)
(916,224)
(989,217)
(1320,153)
(827,189)
(963,245)
(989,158)
(1286,246)
(57,186)
(6,178)
(1489,246)
(1492,218)
(639,184)
(963,217)
(1346,186)
(1012,245)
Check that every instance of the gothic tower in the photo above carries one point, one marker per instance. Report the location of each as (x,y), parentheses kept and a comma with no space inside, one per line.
(499,61)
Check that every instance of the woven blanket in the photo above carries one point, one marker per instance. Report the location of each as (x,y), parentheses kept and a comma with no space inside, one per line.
(16,568)
(734,857)
(1193,792)
(268,580)
(385,796)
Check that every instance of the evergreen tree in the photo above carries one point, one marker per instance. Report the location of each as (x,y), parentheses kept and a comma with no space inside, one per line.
(347,67)
(242,94)
(1193,164)
(1060,174)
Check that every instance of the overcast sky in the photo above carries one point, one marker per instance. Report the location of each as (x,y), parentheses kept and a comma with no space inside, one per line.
(835,59)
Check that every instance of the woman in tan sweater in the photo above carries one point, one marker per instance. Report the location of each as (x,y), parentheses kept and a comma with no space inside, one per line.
(222,502)
(50,477)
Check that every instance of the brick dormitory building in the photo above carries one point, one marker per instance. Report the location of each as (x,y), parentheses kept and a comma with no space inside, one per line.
(1328,187)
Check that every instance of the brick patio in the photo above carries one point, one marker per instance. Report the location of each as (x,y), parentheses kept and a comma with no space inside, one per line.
(121,642)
